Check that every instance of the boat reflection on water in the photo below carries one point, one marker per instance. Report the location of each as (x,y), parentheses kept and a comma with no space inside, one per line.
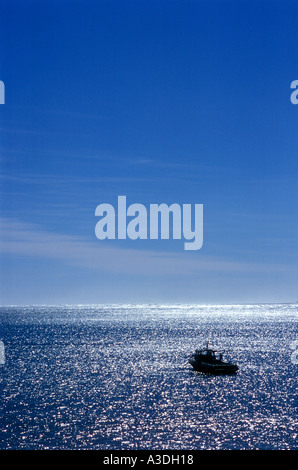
(206,360)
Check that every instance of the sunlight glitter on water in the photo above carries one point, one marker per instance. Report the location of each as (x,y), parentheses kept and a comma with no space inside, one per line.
(118,378)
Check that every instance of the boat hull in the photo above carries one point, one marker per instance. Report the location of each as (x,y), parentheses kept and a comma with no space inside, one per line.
(215,369)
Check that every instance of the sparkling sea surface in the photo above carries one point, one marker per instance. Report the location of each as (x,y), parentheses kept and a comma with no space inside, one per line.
(117,377)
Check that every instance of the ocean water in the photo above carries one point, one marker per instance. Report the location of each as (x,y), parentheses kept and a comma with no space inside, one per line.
(117,377)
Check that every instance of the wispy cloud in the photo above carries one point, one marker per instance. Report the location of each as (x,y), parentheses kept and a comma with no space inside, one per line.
(42,178)
(23,239)
(177,164)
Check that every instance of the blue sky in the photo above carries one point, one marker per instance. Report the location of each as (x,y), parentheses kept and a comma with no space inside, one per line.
(162,101)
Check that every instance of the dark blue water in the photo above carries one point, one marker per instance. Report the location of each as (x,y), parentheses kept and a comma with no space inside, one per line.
(117,377)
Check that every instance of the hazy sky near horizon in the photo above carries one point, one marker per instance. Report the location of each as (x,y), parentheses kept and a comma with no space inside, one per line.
(164,101)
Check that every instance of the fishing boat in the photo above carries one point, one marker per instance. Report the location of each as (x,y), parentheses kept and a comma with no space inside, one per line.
(206,360)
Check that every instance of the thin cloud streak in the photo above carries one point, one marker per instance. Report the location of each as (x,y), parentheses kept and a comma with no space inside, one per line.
(22,239)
